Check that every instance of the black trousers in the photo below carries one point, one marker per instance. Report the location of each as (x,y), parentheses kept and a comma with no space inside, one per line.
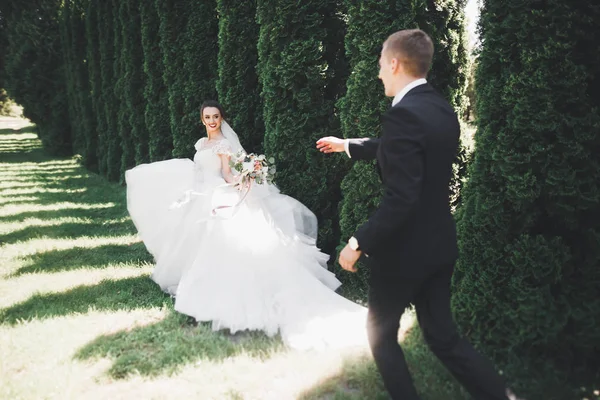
(389,296)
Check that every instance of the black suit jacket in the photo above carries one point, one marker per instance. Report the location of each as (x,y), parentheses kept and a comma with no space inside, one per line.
(413,226)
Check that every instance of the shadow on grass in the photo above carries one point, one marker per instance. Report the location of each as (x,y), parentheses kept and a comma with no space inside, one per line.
(67,182)
(25,129)
(84,257)
(18,157)
(359,378)
(167,346)
(68,230)
(109,295)
(97,210)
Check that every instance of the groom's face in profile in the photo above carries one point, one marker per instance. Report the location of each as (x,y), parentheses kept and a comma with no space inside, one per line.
(388,71)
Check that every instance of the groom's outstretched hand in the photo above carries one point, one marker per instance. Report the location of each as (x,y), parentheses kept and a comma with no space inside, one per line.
(348,258)
(330,144)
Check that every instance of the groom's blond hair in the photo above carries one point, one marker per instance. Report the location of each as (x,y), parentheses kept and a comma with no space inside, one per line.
(413,48)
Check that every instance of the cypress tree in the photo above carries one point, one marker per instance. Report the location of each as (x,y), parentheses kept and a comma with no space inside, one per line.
(108,100)
(94,15)
(70,59)
(133,84)
(299,105)
(74,53)
(3,50)
(237,84)
(124,128)
(529,228)
(200,49)
(173,20)
(156,96)
(82,79)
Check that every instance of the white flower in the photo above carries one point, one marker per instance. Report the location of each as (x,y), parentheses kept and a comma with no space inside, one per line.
(265,170)
(248,166)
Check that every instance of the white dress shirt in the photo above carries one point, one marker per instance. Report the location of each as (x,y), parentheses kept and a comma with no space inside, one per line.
(397,98)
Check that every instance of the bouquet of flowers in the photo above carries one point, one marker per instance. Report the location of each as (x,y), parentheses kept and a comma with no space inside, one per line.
(252,167)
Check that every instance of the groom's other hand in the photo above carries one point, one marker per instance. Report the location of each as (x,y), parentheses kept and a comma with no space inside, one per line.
(330,144)
(348,258)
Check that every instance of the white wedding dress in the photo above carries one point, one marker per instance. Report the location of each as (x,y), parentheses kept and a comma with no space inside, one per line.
(254,265)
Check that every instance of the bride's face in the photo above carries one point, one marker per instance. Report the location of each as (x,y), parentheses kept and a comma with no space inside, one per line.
(211,118)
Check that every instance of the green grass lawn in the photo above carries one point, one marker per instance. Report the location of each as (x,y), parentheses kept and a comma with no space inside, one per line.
(80,318)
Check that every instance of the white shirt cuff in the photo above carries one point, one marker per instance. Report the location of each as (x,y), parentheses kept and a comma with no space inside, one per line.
(347,147)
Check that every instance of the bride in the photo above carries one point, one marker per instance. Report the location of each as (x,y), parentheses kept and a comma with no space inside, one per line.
(244,260)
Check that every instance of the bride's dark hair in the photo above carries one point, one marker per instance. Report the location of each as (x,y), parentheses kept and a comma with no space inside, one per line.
(212,103)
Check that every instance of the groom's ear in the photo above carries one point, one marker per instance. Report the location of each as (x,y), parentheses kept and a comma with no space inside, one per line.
(395,64)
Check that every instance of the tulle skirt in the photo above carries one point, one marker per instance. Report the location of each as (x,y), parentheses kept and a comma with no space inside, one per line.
(248,264)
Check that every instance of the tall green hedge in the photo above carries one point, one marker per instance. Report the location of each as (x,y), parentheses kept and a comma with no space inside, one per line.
(3,51)
(5,102)
(172,27)
(70,59)
(237,84)
(124,129)
(108,101)
(34,69)
(200,49)
(156,112)
(93,18)
(73,33)
(298,108)
(87,124)
(133,84)
(527,289)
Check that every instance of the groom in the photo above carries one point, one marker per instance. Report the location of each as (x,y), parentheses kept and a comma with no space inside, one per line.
(410,241)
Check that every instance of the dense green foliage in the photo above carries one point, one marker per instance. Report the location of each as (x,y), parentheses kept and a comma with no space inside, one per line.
(108,101)
(156,112)
(73,33)
(173,19)
(93,15)
(527,288)
(298,104)
(200,66)
(133,81)
(123,127)
(237,85)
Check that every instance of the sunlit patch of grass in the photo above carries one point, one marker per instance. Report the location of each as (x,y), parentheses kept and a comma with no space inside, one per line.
(18,199)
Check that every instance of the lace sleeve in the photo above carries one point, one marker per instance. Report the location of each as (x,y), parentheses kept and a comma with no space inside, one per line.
(223,147)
